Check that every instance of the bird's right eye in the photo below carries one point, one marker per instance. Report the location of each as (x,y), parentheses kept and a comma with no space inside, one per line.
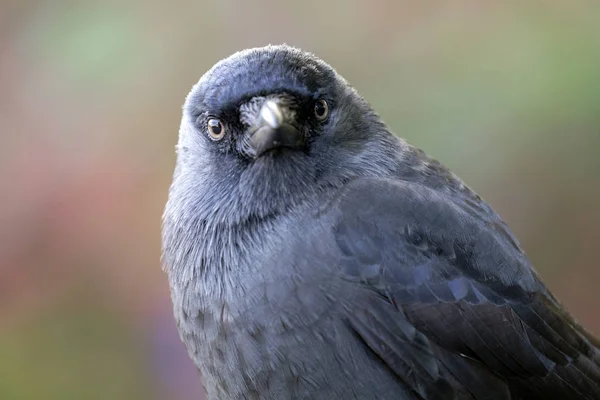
(216,130)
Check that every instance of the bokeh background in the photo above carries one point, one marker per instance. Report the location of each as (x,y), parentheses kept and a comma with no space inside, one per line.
(506,93)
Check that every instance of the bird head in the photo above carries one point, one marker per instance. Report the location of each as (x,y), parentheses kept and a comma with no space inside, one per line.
(267,128)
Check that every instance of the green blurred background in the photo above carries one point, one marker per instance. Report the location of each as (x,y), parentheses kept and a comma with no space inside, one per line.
(505,93)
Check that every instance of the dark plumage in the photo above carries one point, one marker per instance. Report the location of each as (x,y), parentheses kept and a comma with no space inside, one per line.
(314,255)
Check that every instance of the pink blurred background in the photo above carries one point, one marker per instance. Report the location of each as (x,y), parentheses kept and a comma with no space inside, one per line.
(507,94)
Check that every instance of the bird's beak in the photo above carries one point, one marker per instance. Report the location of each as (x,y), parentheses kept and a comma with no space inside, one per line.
(274,131)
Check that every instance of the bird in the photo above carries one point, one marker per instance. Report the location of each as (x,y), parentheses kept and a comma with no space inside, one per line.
(312,253)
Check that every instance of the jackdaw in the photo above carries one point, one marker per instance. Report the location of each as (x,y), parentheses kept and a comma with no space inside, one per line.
(312,254)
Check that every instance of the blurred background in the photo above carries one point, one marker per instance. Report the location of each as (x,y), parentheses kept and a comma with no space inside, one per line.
(506,93)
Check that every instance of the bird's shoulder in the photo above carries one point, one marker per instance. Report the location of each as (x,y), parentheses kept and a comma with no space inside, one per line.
(412,221)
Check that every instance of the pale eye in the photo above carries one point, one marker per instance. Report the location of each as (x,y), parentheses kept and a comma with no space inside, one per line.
(321,110)
(216,130)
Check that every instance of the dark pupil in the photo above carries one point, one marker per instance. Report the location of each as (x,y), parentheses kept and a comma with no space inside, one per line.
(215,127)
(320,109)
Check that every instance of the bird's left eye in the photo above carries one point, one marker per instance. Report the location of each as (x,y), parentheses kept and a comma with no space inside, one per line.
(321,110)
